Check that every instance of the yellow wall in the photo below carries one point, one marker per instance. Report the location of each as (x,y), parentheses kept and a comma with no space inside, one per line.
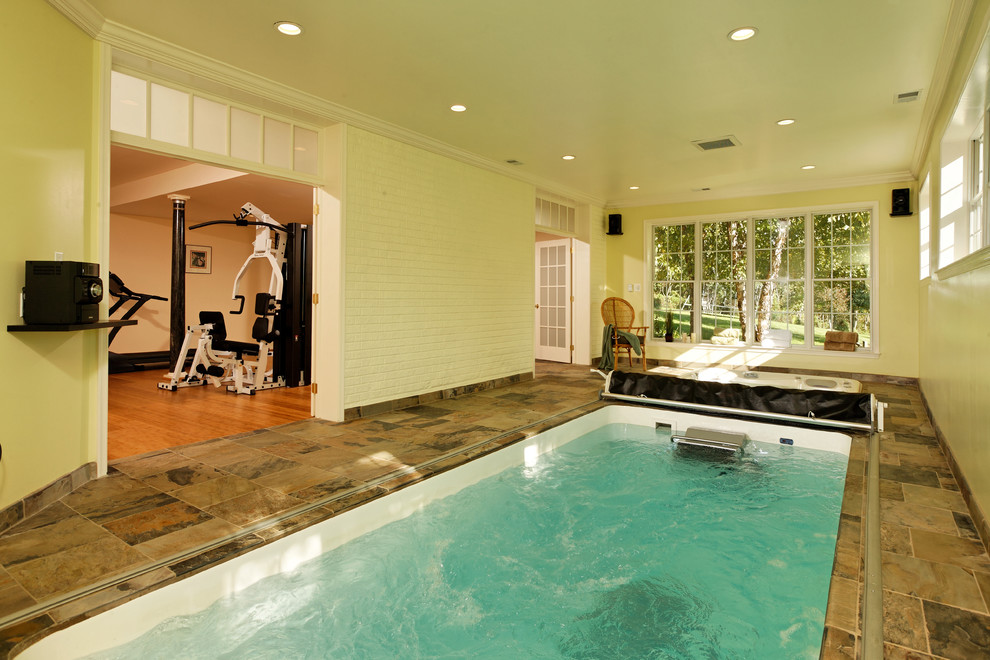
(897,323)
(439,272)
(955,326)
(49,392)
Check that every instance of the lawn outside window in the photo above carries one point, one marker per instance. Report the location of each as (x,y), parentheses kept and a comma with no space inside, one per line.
(780,279)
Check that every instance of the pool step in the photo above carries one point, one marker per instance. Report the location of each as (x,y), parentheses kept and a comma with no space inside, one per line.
(699,437)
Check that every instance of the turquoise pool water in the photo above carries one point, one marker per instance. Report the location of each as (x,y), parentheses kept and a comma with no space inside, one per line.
(618,545)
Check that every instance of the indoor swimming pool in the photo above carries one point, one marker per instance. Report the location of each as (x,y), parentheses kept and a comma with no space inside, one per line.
(597,539)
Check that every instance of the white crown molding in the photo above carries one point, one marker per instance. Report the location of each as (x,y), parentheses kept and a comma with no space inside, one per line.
(758,191)
(960,13)
(152,54)
(156,53)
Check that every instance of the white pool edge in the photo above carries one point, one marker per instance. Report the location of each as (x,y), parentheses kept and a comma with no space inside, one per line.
(193,594)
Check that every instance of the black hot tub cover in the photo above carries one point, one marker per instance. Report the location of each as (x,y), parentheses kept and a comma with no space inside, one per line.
(820,404)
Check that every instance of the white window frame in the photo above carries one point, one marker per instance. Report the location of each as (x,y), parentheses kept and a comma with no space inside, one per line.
(959,245)
(985,199)
(809,279)
(925,229)
(976,173)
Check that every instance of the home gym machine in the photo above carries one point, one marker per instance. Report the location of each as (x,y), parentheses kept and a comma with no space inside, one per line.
(124,362)
(279,354)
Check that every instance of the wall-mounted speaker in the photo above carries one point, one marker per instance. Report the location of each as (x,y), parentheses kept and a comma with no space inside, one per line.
(614,224)
(900,202)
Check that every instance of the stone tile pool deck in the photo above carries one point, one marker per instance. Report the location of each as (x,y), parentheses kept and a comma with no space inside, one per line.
(162,516)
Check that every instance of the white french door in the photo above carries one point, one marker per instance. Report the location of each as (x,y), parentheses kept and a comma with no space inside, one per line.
(553,300)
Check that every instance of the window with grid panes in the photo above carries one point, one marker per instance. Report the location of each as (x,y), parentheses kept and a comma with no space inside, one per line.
(778,269)
(842,280)
(723,277)
(555,213)
(673,277)
(805,273)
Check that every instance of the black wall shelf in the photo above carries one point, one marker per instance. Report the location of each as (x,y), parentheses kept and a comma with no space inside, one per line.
(68,327)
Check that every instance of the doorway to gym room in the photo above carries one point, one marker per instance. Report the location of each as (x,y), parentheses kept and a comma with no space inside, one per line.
(142,417)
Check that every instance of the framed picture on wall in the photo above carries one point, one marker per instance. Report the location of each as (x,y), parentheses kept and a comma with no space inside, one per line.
(199,259)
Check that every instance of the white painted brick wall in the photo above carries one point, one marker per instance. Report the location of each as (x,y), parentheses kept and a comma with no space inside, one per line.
(438,288)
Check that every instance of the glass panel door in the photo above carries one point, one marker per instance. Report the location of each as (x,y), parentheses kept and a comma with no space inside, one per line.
(553,300)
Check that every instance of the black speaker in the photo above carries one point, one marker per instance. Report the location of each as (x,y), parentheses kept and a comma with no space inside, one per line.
(61,292)
(900,202)
(614,224)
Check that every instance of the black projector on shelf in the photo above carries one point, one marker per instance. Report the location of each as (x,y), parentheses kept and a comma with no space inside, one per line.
(59,292)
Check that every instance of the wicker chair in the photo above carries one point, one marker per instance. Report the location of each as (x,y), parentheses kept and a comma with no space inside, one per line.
(620,314)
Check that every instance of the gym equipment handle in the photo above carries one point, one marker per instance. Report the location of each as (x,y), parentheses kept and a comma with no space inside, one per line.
(239,310)
(240,223)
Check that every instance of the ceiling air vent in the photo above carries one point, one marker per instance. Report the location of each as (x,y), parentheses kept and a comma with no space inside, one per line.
(907,97)
(717,143)
(513,161)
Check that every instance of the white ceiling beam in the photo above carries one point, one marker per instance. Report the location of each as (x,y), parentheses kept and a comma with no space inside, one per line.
(190,176)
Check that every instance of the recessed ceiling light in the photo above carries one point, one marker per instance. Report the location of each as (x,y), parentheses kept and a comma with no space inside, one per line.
(785,122)
(807,167)
(633,187)
(568,157)
(742,34)
(458,108)
(289,28)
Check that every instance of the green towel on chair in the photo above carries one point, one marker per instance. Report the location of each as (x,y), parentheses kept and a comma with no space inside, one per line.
(607,363)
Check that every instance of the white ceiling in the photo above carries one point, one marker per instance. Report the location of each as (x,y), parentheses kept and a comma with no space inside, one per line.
(141,182)
(624,86)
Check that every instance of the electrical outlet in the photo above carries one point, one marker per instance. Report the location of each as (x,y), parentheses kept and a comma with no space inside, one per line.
(58,256)
(629,287)
(635,287)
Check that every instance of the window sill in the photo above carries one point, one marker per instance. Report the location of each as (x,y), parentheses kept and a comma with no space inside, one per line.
(861,353)
(970,262)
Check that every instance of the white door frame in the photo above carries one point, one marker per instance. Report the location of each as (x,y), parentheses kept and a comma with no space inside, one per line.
(329,239)
(581,311)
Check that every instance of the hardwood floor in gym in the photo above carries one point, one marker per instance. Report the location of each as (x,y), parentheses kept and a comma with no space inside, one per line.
(143,418)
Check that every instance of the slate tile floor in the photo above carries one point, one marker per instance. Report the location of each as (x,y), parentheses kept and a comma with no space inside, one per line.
(935,568)
(161,516)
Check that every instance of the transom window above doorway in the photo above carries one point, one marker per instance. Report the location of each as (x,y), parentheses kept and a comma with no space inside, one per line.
(555,212)
(143,113)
